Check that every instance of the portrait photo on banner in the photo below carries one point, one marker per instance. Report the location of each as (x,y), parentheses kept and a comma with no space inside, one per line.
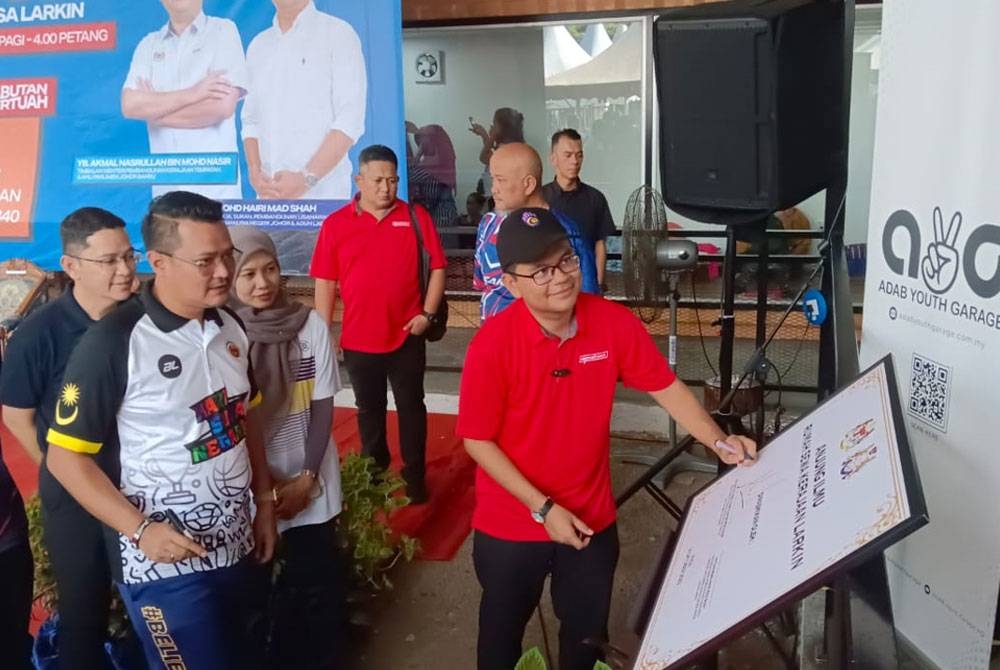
(263,105)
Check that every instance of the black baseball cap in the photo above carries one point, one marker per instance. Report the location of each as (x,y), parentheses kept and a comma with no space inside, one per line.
(527,234)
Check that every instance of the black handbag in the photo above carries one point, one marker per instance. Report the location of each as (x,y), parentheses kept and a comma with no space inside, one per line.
(439,324)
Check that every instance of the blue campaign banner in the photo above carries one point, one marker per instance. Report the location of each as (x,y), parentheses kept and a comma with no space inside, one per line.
(261,105)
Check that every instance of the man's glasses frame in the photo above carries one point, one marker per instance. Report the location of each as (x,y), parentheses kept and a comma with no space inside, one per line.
(568,264)
(207,265)
(129,258)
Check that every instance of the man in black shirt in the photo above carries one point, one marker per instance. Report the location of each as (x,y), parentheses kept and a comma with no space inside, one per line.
(581,202)
(99,258)
(16,570)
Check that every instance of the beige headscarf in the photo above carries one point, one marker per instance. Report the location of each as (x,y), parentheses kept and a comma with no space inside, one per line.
(273,332)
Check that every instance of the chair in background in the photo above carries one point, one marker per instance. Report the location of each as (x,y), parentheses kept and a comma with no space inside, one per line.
(22,283)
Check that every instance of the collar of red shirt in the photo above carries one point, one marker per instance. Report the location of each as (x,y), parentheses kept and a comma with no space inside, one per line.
(538,333)
(360,212)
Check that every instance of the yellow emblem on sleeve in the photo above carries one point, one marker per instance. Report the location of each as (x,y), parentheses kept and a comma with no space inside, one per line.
(70,397)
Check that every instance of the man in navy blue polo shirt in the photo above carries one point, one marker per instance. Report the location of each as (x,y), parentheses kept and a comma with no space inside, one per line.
(99,258)
(581,202)
(16,572)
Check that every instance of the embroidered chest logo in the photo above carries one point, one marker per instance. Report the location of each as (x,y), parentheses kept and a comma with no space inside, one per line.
(70,399)
(226,418)
(593,358)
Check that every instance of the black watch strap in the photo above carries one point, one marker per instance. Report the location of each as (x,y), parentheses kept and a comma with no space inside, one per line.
(430,316)
(539,514)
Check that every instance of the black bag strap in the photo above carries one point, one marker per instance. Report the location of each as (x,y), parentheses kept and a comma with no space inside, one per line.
(423,270)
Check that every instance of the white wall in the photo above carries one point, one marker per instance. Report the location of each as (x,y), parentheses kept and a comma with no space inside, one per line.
(483,70)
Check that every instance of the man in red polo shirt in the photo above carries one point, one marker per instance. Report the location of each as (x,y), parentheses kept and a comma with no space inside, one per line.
(535,412)
(368,250)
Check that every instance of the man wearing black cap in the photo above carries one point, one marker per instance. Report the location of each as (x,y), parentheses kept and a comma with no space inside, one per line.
(535,413)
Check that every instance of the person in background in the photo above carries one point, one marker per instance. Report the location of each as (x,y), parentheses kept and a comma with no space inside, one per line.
(581,202)
(474,205)
(535,414)
(507,127)
(431,172)
(296,370)
(368,250)
(99,259)
(16,575)
(517,180)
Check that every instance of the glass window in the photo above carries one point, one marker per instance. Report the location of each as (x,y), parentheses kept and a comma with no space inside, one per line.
(512,82)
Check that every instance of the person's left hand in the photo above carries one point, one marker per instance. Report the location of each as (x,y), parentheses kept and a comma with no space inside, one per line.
(294,496)
(289,185)
(745,448)
(265,532)
(417,325)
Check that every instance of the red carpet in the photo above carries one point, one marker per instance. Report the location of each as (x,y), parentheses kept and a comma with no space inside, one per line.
(441,525)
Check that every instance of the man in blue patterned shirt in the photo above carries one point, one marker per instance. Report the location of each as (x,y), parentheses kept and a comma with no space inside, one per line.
(516,170)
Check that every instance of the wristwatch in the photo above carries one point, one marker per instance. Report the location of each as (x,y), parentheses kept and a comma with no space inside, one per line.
(430,316)
(539,514)
(311,179)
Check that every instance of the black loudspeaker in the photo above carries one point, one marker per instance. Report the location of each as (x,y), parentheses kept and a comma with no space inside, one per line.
(751,103)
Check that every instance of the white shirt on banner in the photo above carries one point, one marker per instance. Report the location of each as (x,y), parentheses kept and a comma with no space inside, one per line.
(171,62)
(305,83)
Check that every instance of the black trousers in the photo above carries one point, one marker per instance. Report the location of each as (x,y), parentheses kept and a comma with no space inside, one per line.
(308,613)
(513,574)
(404,370)
(77,549)
(16,577)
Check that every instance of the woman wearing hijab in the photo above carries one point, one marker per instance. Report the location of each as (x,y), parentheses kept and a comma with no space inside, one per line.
(296,371)
(431,176)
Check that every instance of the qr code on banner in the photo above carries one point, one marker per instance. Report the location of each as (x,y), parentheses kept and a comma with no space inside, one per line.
(930,388)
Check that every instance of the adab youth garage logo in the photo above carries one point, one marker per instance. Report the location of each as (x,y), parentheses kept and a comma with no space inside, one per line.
(940,261)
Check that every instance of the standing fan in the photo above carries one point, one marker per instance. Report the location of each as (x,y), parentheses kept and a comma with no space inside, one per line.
(647,255)
(644,226)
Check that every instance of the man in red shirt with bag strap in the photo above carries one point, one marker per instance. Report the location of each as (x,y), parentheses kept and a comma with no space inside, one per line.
(368,251)
(535,412)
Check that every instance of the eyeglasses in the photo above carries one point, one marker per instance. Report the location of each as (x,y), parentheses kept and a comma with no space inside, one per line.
(207,264)
(130,258)
(543,275)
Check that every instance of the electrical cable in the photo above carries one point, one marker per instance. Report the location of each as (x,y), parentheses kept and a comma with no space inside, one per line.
(701,336)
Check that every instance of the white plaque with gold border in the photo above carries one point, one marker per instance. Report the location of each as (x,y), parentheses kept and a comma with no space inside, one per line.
(835,488)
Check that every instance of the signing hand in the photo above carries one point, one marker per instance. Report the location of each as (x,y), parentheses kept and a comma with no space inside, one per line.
(563,527)
(265,532)
(163,544)
(417,325)
(738,450)
(294,496)
(289,185)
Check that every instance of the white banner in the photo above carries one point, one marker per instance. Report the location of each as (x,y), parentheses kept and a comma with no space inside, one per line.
(931,299)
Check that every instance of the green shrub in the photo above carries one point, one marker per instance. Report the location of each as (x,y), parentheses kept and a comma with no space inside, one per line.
(363,530)
(533,660)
